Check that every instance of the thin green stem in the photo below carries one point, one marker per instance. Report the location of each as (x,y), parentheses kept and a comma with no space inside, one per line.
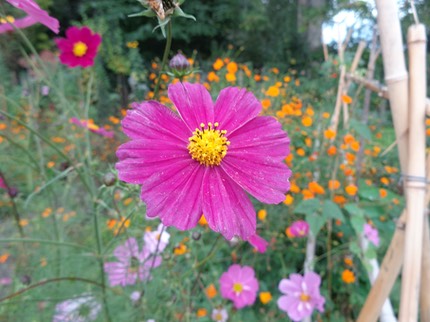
(53,280)
(14,207)
(165,56)
(43,241)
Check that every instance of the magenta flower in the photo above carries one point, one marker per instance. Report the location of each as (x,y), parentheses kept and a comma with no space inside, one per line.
(35,15)
(81,309)
(92,127)
(239,285)
(156,238)
(205,159)
(2,184)
(299,228)
(132,264)
(79,48)
(371,234)
(219,315)
(302,295)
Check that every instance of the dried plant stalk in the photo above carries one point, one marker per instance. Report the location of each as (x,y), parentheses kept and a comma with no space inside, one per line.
(415,183)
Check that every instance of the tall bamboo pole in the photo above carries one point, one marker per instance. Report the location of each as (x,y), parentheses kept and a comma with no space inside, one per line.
(415,180)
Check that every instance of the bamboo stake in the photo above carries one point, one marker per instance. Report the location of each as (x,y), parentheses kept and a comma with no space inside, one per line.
(425,275)
(396,75)
(415,183)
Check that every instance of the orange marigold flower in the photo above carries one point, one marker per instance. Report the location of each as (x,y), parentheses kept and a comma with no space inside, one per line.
(382,193)
(211,291)
(329,134)
(307,194)
(307,121)
(218,64)
(385,180)
(348,261)
(289,159)
(46,212)
(297,82)
(333,184)
(350,157)
(391,169)
(201,313)
(308,142)
(232,67)
(275,70)
(332,150)
(348,139)
(339,199)
(326,115)
(346,99)
(351,189)
(181,249)
(262,214)
(4,257)
(310,111)
(203,221)
(266,103)
(257,77)
(316,188)
(2,126)
(300,152)
(273,91)
(230,77)
(355,146)
(348,276)
(396,201)
(212,77)
(288,232)
(288,200)
(265,297)
(287,79)
(23,222)
(294,188)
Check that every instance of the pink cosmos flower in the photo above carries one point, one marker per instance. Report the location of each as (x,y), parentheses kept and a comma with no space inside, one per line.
(132,264)
(82,309)
(302,295)
(299,228)
(205,159)
(92,127)
(239,285)
(79,48)
(154,238)
(219,315)
(35,15)
(371,234)
(2,184)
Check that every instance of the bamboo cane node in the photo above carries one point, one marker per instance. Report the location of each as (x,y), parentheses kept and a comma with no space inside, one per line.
(400,224)
(415,179)
(396,78)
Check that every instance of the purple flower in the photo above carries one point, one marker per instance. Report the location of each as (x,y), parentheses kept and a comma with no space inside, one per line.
(179,62)
(82,309)
(239,285)
(132,264)
(2,184)
(299,228)
(92,127)
(205,159)
(371,234)
(302,295)
(219,315)
(154,238)
(35,15)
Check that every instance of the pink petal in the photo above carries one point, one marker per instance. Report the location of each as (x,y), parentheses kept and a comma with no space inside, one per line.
(226,207)
(290,305)
(193,103)
(152,120)
(259,243)
(234,107)
(312,281)
(174,193)
(289,286)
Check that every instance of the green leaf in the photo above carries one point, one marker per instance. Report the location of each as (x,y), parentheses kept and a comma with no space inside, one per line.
(357,223)
(307,207)
(332,210)
(354,210)
(316,222)
(355,249)
(370,253)
(361,129)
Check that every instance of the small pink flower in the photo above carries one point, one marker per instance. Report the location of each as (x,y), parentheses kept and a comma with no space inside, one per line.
(35,15)
(206,159)
(132,264)
(154,238)
(2,184)
(371,234)
(92,127)
(239,285)
(81,309)
(302,295)
(79,48)
(299,228)
(219,315)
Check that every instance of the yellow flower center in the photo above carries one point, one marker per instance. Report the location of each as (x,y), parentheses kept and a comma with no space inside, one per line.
(304,297)
(7,19)
(208,145)
(218,317)
(237,288)
(79,49)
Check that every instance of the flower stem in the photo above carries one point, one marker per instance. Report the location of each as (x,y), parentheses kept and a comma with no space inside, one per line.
(165,56)
(14,207)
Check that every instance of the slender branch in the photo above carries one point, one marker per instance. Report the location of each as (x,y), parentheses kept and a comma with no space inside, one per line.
(165,56)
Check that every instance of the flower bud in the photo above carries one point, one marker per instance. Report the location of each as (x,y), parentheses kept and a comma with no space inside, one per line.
(179,62)
(196,235)
(109,179)
(13,192)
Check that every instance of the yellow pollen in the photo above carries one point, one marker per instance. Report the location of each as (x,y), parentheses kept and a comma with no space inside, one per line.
(79,49)
(237,287)
(208,145)
(218,317)
(304,297)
